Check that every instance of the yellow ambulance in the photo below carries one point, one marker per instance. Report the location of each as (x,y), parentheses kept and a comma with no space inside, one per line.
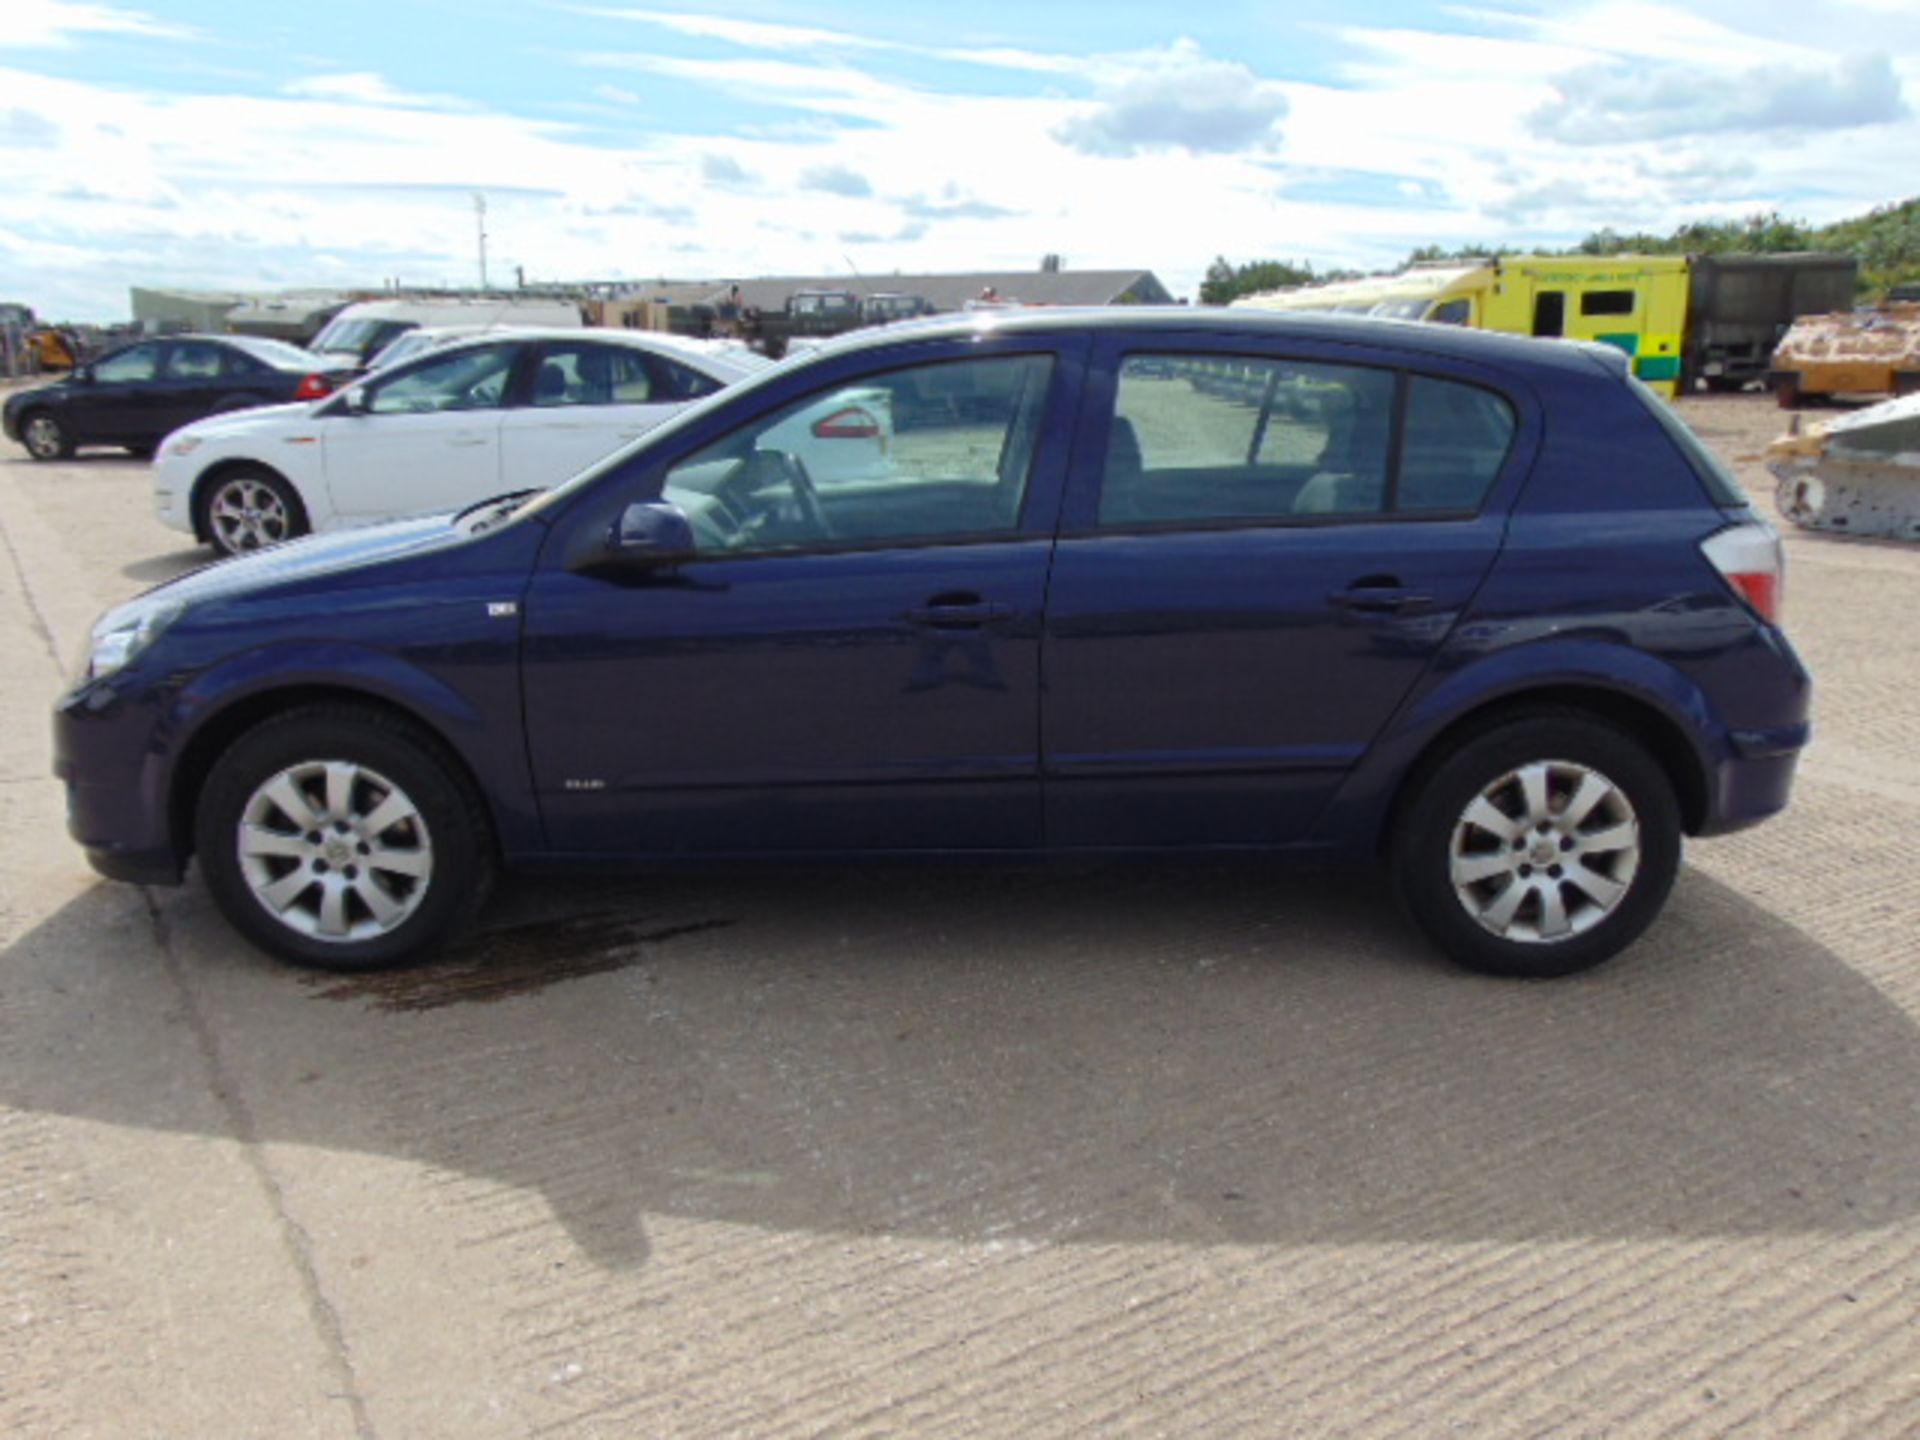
(1636,302)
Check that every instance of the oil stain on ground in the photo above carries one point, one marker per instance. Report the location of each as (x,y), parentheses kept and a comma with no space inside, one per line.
(512,961)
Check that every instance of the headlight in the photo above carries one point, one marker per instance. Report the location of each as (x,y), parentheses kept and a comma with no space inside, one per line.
(184,445)
(124,634)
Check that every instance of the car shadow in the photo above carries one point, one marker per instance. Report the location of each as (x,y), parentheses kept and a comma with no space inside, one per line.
(107,456)
(155,568)
(1199,1056)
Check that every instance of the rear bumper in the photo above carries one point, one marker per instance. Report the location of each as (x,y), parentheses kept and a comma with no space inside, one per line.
(1756,780)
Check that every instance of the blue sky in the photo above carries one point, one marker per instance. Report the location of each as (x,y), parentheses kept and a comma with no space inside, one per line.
(263,146)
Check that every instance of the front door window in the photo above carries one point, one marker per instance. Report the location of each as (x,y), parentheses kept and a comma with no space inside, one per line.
(466,380)
(931,452)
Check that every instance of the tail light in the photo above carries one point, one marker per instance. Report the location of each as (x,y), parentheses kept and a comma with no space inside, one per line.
(852,423)
(1749,560)
(313,387)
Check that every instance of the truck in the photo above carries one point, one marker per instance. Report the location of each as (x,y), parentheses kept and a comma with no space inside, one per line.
(1682,319)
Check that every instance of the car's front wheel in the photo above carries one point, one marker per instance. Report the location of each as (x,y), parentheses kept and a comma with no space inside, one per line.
(343,838)
(1539,847)
(45,437)
(249,508)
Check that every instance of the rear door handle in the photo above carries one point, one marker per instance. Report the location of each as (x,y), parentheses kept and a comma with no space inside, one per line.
(970,615)
(1379,599)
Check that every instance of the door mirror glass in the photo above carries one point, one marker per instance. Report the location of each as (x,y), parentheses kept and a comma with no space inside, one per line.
(652,531)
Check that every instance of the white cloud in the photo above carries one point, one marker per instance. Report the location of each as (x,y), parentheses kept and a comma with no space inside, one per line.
(1178,99)
(1618,101)
(837,180)
(364,87)
(723,170)
(56,23)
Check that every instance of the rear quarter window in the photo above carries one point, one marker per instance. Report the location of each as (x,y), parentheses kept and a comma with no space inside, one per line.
(1456,439)
(1711,471)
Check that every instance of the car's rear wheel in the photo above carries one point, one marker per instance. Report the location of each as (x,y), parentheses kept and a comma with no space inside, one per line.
(1539,847)
(343,838)
(248,508)
(45,437)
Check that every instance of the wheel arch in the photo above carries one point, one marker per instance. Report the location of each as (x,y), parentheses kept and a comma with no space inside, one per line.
(1643,720)
(222,728)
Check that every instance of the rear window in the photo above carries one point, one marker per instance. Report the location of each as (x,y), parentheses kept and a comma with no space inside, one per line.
(277,353)
(1714,475)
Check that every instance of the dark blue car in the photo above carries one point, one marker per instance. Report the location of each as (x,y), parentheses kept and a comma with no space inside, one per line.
(1126,581)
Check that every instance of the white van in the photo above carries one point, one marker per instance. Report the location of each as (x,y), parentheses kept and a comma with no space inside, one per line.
(359,332)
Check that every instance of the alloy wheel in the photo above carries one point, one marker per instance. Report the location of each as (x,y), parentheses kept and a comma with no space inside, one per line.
(44,438)
(335,851)
(1545,852)
(246,514)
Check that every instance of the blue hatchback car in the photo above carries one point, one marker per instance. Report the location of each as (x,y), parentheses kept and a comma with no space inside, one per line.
(1477,606)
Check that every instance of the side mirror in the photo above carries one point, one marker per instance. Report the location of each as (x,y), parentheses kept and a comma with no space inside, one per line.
(651,532)
(354,401)
(83,374)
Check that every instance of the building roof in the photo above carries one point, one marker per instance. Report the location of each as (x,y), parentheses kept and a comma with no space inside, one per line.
(943,292)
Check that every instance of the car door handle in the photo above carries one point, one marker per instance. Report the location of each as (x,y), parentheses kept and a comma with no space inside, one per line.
(956,615)
(1379,599)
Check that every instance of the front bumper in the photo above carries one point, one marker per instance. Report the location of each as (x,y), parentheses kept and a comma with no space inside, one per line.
(171,506)
(116,786)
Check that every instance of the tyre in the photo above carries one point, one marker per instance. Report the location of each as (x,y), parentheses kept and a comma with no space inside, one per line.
(343,838)
(1786,394)
(248,508)
(1539,847)
(45,437)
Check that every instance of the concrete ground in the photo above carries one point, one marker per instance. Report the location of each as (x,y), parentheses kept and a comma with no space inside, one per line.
(1193,1152)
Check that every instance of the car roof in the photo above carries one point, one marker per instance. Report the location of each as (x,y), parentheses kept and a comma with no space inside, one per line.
(717,357)
(1414,336)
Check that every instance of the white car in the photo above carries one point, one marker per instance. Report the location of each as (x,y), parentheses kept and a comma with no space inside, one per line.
(508,411)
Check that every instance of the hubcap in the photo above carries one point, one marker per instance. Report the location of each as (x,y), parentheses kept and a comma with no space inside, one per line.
(335,851)
(246,515)
(43,437)
(1544,853)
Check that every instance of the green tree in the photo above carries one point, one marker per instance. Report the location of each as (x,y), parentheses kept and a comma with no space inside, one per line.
(1226,282)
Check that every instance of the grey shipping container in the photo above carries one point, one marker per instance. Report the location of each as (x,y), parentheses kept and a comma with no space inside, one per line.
(1738,307)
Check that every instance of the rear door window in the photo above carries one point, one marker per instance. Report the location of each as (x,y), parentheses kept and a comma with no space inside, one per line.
(1200,438)
(195,360)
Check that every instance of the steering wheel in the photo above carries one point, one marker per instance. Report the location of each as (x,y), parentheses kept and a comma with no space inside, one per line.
(794,471)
